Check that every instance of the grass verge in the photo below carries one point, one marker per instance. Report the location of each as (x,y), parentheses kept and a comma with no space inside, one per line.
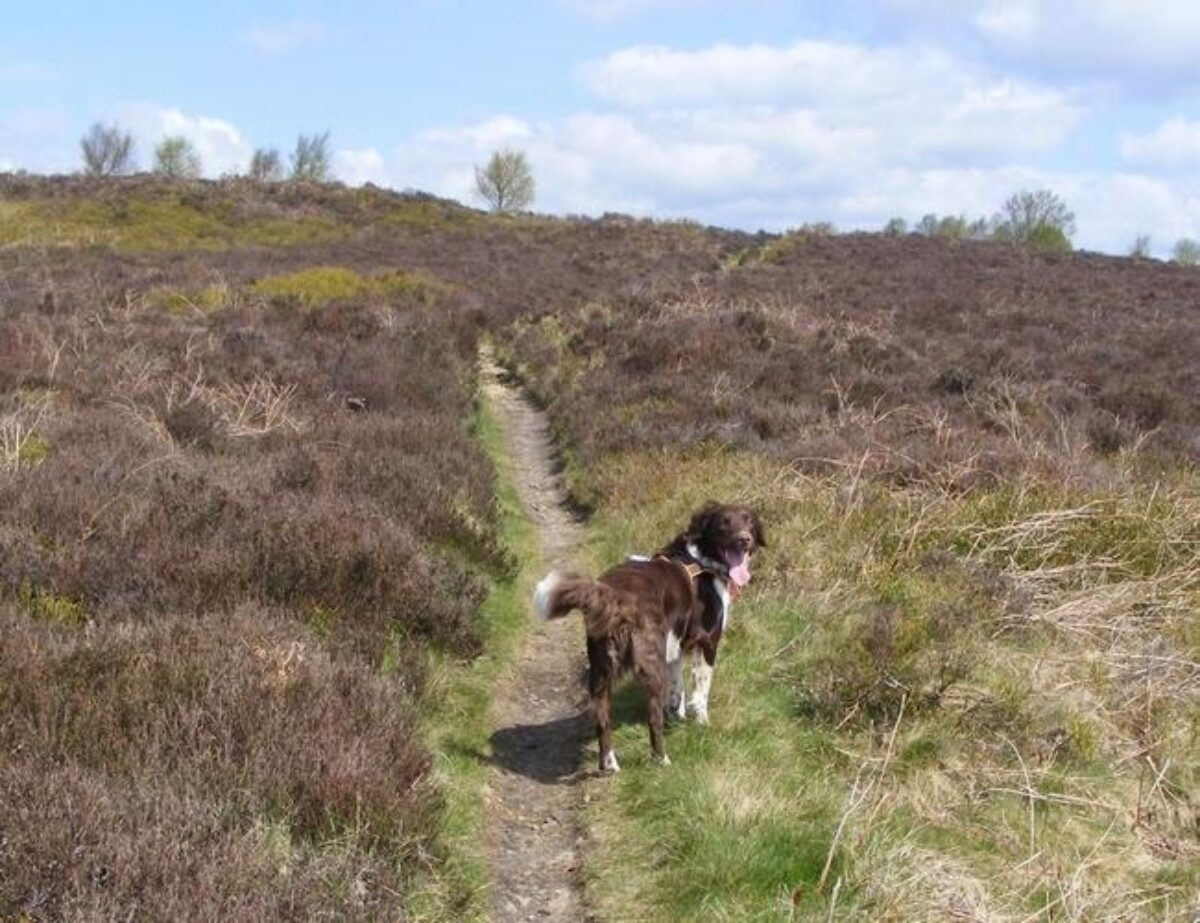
(929,706)
(457,728)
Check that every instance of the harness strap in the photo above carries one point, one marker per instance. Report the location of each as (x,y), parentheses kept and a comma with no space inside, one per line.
(692,569)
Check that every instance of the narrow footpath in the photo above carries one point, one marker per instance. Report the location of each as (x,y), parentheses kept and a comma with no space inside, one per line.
(535,784)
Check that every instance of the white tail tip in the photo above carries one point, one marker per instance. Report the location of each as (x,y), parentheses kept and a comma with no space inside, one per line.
(543,593)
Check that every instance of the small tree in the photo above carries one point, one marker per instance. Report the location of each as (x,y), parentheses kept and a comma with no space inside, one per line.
(1186,252)
(1140,248)
(1039,218)
(266,165)
(310,159)
(506,183)
(896,227)
(107,151)
(177,158)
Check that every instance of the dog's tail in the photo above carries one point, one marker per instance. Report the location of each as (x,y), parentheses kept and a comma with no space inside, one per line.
(559,594)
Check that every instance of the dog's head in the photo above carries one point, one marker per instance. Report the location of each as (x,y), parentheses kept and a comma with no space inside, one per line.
(729,534)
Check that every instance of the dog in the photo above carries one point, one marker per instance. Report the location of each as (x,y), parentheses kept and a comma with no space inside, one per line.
(644,614)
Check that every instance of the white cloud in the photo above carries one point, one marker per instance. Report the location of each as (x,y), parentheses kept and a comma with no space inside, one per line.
(357,167)
(281,37)
(905,102)
(762,136)
(221,146)
(1176,142)
(1110,37)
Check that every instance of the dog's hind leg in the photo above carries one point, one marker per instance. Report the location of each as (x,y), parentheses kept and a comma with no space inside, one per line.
(601,710)
(654,681)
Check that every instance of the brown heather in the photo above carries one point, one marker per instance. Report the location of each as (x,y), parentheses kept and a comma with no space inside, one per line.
(916,359)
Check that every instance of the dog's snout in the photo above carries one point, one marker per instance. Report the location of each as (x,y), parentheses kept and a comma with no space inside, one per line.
(745,540)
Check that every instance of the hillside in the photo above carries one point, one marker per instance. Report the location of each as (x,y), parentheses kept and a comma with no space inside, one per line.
(249,528)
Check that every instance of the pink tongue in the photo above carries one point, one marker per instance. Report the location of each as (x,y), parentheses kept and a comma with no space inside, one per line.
(739,570)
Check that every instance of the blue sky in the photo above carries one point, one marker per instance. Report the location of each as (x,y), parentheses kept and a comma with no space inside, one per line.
(758,113)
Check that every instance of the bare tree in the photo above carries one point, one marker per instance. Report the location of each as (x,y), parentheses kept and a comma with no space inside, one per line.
(1037,217)
(177,158)
(1186,252)
(266,165)
(310,159)
(506,183)
(1140,248)
(107,151)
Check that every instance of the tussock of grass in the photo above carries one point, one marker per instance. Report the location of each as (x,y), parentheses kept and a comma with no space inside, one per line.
(206,300)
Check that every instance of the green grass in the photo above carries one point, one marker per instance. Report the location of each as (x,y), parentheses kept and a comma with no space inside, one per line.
(155,224)
(46,605)
(138,215)
(950,680)
(457,727)
(320,285)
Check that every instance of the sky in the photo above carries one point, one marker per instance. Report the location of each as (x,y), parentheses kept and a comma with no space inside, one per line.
(749,114)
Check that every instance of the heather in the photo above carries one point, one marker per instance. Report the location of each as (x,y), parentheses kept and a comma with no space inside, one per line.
(237,536)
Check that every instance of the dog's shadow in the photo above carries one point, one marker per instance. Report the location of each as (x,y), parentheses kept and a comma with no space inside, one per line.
(561,751)
(551,752)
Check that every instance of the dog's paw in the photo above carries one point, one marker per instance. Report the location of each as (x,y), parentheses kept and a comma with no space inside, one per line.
(701,715)
(663,760)
(609,764)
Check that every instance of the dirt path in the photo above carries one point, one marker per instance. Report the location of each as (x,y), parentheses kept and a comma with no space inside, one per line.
(535,784)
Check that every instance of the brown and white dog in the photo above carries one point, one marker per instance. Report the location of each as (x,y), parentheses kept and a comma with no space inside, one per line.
(644,614)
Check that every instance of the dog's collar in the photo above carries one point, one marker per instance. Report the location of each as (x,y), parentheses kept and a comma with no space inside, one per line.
(708,565)
(718,570)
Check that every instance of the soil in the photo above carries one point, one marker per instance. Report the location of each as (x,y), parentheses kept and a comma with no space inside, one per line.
(535,786)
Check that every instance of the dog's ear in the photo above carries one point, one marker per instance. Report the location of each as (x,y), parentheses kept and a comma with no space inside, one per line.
(760,537)
(702,519)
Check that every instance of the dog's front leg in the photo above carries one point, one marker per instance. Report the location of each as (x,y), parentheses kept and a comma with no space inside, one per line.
(702,672)
(676,696)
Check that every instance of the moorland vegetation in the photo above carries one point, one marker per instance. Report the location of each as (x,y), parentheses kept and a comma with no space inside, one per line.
(249,529)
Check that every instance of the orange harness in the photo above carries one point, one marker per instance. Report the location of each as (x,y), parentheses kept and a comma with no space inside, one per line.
(694,570)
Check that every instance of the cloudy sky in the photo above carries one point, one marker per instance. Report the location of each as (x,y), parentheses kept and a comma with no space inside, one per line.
(745,113)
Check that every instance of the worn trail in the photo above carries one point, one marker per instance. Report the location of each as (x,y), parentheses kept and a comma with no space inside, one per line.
(535,783)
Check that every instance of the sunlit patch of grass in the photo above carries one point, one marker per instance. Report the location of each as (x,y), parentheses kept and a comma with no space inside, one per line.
(207,300)
(321,285)
(776,248)
(46,605)
(154,224)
